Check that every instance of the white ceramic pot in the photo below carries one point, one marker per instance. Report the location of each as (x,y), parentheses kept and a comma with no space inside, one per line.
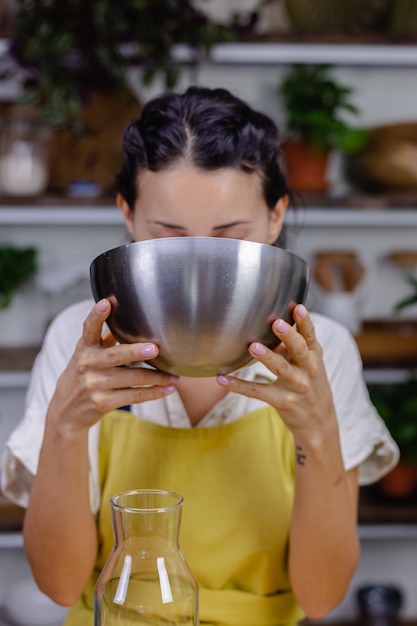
(343,307)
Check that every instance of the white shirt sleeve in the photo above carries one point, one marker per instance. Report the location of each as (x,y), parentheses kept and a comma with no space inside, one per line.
(20,458)
(365,440)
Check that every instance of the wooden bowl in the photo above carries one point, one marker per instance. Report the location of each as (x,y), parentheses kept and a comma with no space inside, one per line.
(388,161)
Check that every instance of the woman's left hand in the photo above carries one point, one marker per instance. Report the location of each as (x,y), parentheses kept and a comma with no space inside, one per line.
(301,394)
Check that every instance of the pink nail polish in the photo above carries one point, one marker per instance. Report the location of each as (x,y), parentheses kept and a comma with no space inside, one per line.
(281,326)
(258,349)
(148,351)
(101,305)
(223,380)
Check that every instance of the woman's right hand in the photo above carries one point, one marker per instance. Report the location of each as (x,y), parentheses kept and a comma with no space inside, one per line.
(94,381)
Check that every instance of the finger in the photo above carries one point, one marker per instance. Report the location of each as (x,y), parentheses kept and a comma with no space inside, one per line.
(93,323)
(137,395)
(108,340)
(305,326)
(282,350)
(295,344)
(105,401)
(261,391)
(126,377)
(277,363)
(125,354)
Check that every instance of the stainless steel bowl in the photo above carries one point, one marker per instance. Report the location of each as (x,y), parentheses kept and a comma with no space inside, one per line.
(202,300)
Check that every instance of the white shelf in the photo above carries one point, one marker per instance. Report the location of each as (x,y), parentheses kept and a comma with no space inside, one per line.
(335,216)
(248,53)
(281,53)
(384,532)
(11,540)
(60,215)
(386,375)
(14,380)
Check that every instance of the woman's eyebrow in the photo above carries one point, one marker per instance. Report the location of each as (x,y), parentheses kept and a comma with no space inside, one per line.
(231,224)
(166,225)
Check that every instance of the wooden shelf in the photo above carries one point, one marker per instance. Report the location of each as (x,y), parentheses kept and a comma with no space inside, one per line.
(385,343)
(17,359)
(376,509)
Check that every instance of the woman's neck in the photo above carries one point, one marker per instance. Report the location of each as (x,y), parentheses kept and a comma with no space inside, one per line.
(199,396)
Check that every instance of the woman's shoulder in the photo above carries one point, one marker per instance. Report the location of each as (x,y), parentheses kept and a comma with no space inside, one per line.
(71,318)
(328,329)
(332,335)
(340,351)
(66,327)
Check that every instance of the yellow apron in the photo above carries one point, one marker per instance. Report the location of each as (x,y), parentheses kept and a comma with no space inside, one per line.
(237,481)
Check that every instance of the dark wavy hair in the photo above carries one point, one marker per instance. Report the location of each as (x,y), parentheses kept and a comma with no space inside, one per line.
(208,128)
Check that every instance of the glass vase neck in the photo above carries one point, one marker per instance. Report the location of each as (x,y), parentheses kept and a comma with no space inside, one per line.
(147,513)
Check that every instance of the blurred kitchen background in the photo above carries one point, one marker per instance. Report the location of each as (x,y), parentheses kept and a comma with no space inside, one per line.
(72,74)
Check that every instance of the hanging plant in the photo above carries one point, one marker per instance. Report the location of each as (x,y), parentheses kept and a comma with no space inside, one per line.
(68,47)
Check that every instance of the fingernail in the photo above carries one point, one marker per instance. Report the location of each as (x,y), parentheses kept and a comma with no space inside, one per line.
(174,377)
(281,326)
(223,380)
(101,306)
(301,310)
(148,351)
(257,348)
(168,389)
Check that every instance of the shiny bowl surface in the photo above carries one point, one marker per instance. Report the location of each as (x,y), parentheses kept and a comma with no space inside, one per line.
(202,300)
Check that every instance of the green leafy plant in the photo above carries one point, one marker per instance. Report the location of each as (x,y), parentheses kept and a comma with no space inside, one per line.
(67,47)
(17,266)
(397,405)
(314,104)
(408,300)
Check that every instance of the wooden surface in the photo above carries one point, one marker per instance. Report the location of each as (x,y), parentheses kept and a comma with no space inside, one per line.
(17,359)
(384,343)
(375,508)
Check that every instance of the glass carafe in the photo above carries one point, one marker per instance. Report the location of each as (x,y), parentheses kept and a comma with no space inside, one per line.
(146,578)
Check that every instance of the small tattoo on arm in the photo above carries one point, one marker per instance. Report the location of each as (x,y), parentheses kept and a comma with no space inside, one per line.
(300,456)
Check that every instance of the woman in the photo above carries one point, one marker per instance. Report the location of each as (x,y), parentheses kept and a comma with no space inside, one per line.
(268,460)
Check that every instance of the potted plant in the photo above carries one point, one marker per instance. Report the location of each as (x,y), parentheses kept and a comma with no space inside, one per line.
(17,266)
(314,103)
(67,48)
(397,405)
(77,61)
(411,298)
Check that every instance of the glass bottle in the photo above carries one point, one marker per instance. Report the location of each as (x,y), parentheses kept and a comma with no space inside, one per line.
(146,579)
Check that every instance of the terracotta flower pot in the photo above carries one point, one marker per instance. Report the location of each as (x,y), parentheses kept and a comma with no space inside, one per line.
(400,482)
(306,166)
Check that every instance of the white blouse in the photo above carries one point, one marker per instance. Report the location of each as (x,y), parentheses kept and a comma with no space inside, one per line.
(365,441)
